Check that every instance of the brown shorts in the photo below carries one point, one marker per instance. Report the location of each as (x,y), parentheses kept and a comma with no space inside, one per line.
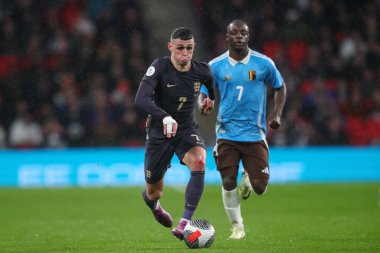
(254,156)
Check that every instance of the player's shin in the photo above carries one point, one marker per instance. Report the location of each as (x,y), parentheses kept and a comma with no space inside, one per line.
(193,193)
(231,201)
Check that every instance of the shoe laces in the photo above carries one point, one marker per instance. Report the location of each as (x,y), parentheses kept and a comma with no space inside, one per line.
(183,223)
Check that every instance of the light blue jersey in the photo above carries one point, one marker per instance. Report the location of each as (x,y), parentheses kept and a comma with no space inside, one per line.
(243,94)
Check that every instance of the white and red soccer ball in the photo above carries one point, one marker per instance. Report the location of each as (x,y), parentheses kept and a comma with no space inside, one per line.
(199,234)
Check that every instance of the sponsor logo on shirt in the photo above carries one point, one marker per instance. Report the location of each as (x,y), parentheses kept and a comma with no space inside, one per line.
(171,85)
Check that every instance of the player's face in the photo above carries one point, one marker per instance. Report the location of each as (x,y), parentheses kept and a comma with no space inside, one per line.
(182,51)
(237,36)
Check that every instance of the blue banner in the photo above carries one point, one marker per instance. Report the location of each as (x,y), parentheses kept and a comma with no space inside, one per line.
(125,167)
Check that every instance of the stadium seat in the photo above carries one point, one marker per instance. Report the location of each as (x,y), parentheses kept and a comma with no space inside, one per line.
(356,130)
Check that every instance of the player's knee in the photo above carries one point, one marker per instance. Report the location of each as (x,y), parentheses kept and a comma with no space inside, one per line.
(199,164)
(259,186)
(229,182)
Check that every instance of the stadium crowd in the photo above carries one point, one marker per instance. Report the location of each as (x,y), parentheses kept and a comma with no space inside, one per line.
(69,69)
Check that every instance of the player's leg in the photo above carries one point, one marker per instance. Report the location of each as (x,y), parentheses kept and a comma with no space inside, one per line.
(245,187)
(157,159)
(195,159)
(227,159)
(151,195)
(256,163)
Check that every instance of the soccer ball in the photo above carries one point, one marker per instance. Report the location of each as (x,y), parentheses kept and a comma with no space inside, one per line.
(199,234)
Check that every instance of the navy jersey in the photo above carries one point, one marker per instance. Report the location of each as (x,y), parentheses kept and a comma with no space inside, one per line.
(165,91)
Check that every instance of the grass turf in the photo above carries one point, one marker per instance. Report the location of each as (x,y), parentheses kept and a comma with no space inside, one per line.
(288,218)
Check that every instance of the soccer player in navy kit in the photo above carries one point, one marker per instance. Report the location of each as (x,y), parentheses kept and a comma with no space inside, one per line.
(168,93)
(241,76)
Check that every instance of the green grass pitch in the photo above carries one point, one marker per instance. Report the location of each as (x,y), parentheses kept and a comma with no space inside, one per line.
(288,218)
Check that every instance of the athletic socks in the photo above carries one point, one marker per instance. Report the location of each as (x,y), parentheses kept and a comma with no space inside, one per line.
(151,203)
(193,193)
(231,201)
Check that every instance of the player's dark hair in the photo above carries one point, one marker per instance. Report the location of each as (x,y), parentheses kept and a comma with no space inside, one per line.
(182,33)
(235,22)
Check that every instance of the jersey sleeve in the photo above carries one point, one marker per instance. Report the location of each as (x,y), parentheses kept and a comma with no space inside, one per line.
(143,99)
(208,87)
(209,83)
(274,78)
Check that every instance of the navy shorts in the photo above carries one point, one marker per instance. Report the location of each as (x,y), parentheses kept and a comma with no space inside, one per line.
(159,150)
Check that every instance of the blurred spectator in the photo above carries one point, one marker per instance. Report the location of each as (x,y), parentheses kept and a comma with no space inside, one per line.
(333,131)
(352,46)
(24,132)
(53,134)
(3,138)
(373,122)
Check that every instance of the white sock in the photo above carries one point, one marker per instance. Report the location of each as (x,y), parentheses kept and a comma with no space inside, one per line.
(231,201)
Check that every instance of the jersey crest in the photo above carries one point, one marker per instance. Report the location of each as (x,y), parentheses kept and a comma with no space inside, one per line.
(197,86)
(252,75)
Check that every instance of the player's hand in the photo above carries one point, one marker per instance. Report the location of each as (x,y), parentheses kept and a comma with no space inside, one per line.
(274,124)
(274,121)
(170,126)
(201,102)
(207,106)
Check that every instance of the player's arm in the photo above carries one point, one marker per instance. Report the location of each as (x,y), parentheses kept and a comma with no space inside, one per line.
(274,119)
(143,101)
(206,97)
(275,79)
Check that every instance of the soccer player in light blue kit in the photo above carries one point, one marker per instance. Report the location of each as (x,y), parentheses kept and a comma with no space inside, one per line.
(241,76)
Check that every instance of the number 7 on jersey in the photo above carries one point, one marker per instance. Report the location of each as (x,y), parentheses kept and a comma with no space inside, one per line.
(181,100)
(240,88)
